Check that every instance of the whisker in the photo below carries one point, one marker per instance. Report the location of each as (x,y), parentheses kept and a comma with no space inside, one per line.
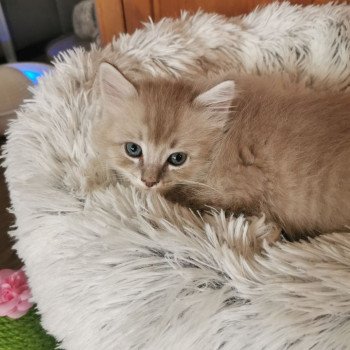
(114,174)
(185,182)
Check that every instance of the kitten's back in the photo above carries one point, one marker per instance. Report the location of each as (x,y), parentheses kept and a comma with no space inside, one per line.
(299,141)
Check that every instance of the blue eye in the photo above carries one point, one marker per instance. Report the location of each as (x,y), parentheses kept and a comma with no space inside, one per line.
(177,158)
(133,150)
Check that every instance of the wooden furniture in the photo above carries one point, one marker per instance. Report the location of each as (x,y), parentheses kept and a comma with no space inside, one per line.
(116,16)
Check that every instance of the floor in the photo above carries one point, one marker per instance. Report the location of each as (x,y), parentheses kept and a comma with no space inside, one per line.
(8,258)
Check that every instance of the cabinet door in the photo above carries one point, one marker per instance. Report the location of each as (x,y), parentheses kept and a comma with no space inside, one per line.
(166,8)
(136,12)
(110,18)
(116,16)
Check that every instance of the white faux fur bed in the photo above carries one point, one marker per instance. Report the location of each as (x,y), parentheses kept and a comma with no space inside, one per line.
(110,269)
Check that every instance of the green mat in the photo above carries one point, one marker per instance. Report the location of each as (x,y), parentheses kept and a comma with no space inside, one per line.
(25,333)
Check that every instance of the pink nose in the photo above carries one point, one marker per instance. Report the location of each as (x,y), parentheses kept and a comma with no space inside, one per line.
(149,183)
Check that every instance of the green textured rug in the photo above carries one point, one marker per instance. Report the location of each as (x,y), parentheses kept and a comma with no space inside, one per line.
(25,333)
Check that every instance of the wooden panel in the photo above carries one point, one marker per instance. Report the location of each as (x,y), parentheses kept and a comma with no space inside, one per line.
(110,17)
(166,8)
(115,16)
(135,12)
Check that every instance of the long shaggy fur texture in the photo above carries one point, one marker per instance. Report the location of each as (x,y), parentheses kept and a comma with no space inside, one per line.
(111,269)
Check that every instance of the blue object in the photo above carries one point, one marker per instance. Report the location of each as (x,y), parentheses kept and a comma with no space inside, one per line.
(32,76)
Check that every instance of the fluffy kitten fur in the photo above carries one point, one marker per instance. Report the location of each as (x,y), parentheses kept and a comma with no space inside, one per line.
(254,145)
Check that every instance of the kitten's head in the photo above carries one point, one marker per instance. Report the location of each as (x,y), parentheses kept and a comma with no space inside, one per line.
(159,133)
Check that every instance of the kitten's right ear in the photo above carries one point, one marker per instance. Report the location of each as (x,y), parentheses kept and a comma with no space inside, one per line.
(218,101)
(219,97)
(113,84)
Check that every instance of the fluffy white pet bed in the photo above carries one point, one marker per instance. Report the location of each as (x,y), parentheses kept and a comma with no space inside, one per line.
(110,269)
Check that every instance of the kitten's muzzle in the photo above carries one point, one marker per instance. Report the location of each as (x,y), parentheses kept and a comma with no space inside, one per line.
(150,175)
(149,183)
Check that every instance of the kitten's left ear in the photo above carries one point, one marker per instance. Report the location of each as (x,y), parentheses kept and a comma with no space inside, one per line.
(113,84)
(219,98)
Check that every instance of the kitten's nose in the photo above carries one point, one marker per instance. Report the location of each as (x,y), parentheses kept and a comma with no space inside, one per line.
(149,183)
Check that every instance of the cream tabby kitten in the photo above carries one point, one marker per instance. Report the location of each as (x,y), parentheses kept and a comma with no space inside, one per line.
(244,144)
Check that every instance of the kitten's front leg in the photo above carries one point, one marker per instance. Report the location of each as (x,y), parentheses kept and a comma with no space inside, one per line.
(251,235)
(186,196)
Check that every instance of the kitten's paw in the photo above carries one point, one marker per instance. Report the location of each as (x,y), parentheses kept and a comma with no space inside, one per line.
(265,232)
(273,234)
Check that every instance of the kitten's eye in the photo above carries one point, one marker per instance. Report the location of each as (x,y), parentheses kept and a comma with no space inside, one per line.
(177,158)
(133,150)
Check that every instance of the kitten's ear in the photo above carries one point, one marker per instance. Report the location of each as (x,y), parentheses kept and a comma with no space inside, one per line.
(219,97)
(113,84)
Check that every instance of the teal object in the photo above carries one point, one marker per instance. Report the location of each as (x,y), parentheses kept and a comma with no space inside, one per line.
(25,333)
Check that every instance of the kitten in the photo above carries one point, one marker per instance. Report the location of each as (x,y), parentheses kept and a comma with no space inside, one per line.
(244,144)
